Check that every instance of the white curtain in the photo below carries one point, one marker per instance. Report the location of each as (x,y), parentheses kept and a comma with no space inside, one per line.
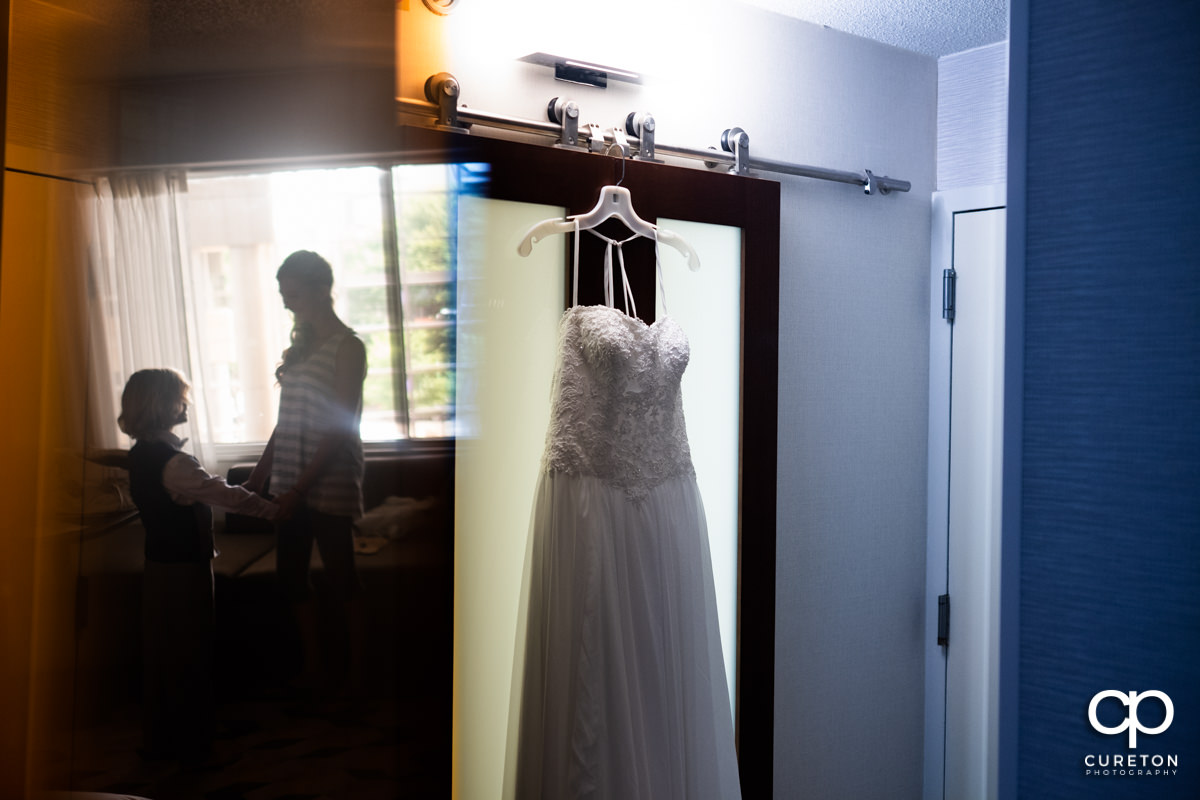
(141,313)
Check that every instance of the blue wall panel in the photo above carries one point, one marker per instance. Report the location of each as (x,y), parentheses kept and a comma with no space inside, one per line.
(1110,489)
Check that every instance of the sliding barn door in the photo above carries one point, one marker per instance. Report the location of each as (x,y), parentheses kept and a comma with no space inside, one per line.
(507,320)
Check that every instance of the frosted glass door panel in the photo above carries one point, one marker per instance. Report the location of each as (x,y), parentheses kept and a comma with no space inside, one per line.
(708,306)
(508,312)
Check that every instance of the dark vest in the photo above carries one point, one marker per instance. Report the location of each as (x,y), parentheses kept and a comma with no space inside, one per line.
(174,532)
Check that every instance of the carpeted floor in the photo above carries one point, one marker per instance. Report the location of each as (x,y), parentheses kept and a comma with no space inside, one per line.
(279,748)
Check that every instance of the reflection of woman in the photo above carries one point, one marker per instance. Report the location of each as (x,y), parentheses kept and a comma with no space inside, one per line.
(314,458)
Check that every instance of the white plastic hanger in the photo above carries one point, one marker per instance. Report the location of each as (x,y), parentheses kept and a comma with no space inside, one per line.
(615,201)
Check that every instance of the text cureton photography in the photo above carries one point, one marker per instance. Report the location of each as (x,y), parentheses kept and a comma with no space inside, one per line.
(1136,765)
(1130,765)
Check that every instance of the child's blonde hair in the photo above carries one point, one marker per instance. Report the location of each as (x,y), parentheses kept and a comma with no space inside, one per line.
(152,401)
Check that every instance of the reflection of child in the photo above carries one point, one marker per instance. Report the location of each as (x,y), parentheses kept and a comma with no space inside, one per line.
(174,495)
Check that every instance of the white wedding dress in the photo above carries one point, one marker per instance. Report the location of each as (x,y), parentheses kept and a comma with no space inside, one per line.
(624,693)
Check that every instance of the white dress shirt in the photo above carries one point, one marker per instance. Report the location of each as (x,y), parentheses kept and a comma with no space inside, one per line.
(187,482)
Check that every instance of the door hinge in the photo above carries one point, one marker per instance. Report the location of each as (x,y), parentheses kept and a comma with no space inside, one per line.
(949,277)
(943,633)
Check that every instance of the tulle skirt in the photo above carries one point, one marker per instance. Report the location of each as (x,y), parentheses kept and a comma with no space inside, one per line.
(623,692)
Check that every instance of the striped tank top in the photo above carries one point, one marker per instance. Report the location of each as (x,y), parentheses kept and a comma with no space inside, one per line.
(307,411)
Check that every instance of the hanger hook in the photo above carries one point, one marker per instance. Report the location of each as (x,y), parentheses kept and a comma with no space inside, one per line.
(607,150)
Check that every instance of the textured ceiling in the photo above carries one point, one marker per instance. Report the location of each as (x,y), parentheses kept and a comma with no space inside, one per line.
(932,27)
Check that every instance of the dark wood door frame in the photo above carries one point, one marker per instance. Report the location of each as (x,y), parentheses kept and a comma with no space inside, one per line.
(534,173)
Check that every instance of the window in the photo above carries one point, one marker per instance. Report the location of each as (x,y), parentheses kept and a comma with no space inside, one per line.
(390,234)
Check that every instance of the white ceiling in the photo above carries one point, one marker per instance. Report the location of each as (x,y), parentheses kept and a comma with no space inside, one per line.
(932,27)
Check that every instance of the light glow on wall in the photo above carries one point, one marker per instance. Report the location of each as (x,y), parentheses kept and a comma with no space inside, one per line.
(653,38)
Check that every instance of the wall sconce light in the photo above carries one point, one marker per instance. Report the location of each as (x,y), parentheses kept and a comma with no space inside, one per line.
(581,72)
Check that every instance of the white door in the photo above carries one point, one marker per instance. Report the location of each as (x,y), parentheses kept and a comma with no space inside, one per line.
(966,417)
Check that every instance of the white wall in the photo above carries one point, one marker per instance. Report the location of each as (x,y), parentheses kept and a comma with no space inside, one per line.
(852,406)
(972,133)
(853,337)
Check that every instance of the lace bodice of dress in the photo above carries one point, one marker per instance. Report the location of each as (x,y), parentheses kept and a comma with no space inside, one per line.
(617,411)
